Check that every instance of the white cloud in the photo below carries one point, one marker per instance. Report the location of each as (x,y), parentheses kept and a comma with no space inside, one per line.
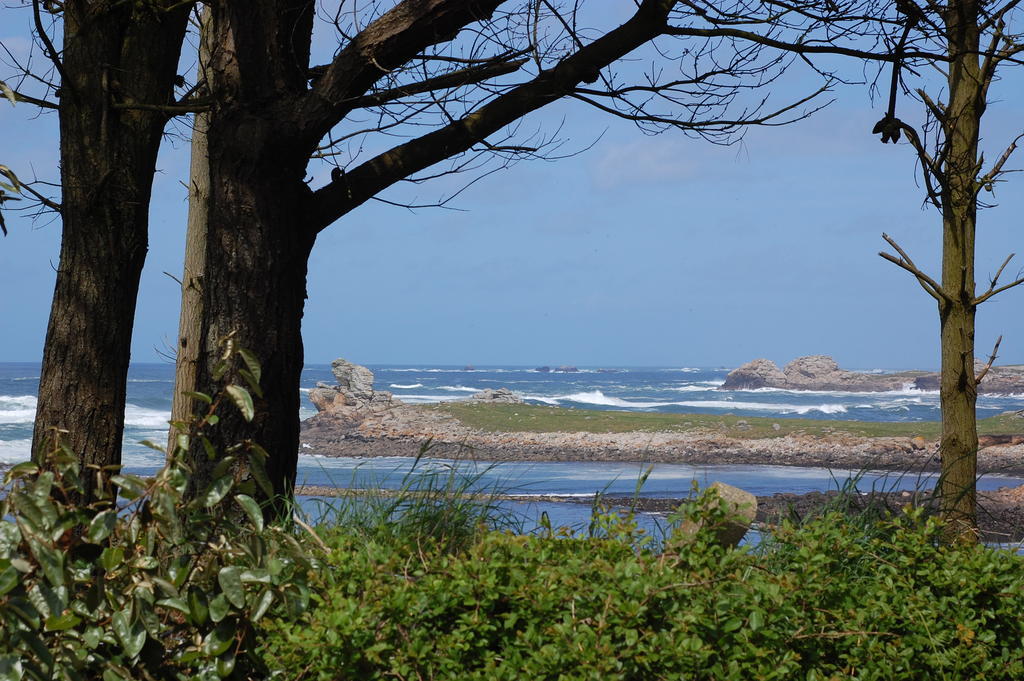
(642,161)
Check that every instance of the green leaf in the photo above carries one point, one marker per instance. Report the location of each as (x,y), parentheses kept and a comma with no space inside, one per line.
(226,664)
(146,563)
(252,382)
(62,622)
(259,470)
(101,526)
(202,397)
(174,604)
(92,637)
(9,578)
(153,445)
(131,486)
(23,469)
(220,639)
(50,560)
(132,635)
(111,558)
(251,363)
(216,491)
(219,607)
(230,580)
(198,607)
(263,604)
(243,400)
(756,620)
(252,509)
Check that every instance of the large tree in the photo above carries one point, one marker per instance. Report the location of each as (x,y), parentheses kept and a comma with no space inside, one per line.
(977,42)
(109,83)
(454,77)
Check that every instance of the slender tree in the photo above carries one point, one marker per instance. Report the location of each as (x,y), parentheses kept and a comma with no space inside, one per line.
(111,81)
(978,43)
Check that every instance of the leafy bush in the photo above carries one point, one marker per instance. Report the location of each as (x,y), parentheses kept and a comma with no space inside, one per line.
(824,601)
(163,586)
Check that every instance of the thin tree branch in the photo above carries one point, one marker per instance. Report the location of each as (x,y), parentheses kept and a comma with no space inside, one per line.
(195,106)
(19,97)
(467,76)
(994,172)
(801,48)
(930,286)
(994,292)
(50,50)
(991,360)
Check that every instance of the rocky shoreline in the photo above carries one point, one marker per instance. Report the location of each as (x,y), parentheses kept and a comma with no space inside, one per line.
(355,420)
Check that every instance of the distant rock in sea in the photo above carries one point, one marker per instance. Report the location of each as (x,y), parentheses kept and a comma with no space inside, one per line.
(821,372)
(566,369)
(497,395)
(543,370)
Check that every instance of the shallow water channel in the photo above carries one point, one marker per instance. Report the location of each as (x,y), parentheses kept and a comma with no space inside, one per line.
(584,479)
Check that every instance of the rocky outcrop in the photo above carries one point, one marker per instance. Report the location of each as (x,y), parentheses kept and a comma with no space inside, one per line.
(353,398)
(761,373)
(496,396)
(821,372)
(814,372)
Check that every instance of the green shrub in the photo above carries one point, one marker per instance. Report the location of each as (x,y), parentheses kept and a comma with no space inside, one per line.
(161,587)
(825,601)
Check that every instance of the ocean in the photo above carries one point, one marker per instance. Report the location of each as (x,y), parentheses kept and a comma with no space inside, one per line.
(666,389)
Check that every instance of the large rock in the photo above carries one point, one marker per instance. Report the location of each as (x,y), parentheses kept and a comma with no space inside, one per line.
(739,510)
(354,379)
(497,396)
(761,373)
(353,397)
(814,372)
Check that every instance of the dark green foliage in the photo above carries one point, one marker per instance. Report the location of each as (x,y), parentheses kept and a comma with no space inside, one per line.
(828,600)
(163,586)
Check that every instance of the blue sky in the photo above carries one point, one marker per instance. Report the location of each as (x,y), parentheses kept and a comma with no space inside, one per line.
(640,251)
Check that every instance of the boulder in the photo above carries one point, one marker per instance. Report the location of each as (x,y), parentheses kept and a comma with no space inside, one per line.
(497,396)
(761,373)
(353,379)
(353,397)
(740,509)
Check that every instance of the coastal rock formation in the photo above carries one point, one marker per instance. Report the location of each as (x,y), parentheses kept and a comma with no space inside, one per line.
(821,372)
(740,509)
(496,395)
(761,373)
(353,397)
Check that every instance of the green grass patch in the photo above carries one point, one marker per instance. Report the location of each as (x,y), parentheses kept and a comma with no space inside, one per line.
(546,419)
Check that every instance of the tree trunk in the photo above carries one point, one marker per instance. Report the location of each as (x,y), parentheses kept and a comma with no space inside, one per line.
(958,395)
(257,245)
(190,328)
(108,157)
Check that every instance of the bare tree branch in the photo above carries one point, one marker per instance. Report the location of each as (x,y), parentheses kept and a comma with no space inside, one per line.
(13,94)
(991,361)
(467,76)
(930,286)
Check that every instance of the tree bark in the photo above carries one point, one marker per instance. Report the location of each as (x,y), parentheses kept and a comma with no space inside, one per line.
(190,325)
(108,157)
(958,448)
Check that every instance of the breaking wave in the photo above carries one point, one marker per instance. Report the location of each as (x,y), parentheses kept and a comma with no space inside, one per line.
(596,397)
(406,387)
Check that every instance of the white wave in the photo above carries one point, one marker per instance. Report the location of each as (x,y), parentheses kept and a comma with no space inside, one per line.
(17,408)
(429,399)
(15,451)
(410,386)
(141,417)
(305,391)
(26,378)
(459,388)
(599,398)
(691,388)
